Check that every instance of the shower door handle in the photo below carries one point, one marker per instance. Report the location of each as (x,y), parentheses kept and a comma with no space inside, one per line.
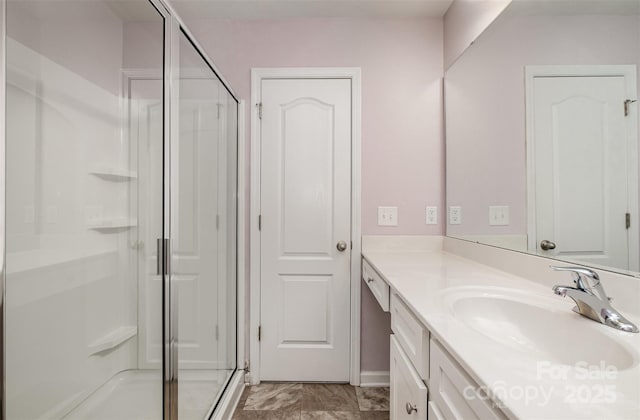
(163,256)
(170,328)
(159,256)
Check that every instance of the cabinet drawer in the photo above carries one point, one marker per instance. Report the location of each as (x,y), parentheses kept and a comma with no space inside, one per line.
(411,334)
(454,392)
(379,287)
(408,399)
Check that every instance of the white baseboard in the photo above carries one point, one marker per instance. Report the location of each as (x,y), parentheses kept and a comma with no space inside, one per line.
(231,398)
(373,378)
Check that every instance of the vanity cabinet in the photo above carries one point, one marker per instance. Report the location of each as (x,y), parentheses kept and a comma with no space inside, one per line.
(445,307)
(417,360)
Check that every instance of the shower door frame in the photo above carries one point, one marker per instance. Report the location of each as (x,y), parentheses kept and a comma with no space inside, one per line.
(3,191)
(173,26)
(221,408)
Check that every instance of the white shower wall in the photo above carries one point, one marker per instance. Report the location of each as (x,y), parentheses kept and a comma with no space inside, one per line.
(71,284)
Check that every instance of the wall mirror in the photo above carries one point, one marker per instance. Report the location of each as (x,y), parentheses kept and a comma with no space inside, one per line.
(542,133)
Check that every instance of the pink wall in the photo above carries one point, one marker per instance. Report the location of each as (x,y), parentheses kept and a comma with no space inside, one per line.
(402,145)
(486,160)
(464,22)
(401,61)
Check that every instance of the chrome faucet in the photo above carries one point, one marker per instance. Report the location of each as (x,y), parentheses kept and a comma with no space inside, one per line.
(591,299)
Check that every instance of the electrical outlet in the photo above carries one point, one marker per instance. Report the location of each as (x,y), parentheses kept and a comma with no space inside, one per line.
(387,216)
(455,215)
(431,215)
(498,215)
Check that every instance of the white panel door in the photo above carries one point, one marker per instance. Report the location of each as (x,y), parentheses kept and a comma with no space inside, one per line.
(581,168)
(305,208)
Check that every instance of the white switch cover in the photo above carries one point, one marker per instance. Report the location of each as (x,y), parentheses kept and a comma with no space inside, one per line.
(387,216)
(498,215)
(455,215)
(432,215)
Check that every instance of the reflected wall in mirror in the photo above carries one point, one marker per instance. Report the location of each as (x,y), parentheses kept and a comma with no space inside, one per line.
(542,133)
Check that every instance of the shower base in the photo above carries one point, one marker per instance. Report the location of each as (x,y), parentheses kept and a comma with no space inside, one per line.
(137,395)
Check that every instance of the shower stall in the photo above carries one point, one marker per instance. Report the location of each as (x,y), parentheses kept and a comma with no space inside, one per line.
(120,163)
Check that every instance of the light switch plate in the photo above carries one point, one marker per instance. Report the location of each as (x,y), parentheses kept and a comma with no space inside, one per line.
(431,217)
(498,215)
(387,216)
(455,215)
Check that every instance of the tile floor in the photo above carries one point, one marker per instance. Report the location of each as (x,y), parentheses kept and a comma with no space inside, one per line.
(293,401)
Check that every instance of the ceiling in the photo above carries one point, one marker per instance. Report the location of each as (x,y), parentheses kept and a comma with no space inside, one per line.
(282,9)
(277,9)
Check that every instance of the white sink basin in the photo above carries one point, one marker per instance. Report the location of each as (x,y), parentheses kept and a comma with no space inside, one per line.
(542,327)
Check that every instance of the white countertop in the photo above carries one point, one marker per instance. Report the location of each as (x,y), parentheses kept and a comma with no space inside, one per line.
(524,385)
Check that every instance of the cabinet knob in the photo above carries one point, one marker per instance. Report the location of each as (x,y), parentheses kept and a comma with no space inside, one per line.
(547,245)
(411,408)
(369,279)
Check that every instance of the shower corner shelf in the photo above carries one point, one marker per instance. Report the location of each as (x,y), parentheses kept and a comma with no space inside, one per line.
(112,224)
(113,173)
(113,339)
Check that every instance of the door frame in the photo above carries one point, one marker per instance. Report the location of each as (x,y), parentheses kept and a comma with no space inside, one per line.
(257,75)
(628,71)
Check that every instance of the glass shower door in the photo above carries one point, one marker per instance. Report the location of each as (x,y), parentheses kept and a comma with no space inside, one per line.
(203,234)
(84,165)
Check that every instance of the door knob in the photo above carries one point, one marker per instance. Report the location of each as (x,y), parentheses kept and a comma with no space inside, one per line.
(411,408)
(547,245)
(342,245)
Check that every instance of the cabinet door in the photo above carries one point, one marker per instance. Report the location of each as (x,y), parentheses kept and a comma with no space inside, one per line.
(408,392)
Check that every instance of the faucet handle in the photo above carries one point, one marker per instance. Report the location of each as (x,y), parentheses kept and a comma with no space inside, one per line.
(578,270)
(581,272)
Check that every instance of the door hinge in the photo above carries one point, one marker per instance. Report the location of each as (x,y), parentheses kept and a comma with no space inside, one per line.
(259,105)
(626,106)
(217,333)
(247,366)
(260,333)
(627,220)
(219,106)
(217,222)
(259,222)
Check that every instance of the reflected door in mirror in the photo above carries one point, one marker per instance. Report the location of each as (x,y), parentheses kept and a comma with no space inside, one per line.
(581,165)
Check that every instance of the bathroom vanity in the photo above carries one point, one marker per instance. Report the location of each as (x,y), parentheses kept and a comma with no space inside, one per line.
(478,333)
